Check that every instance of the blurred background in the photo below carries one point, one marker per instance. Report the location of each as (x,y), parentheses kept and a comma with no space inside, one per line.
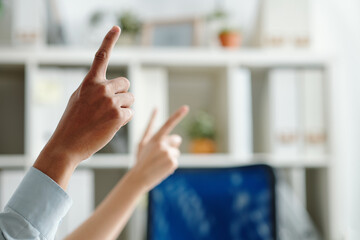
(267,81)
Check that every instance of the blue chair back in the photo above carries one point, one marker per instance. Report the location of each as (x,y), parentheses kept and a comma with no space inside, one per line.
(235,203)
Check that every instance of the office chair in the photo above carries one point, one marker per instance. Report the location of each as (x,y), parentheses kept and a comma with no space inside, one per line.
(214,203)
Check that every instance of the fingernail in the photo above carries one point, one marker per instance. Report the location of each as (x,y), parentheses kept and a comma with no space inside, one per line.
(185,108)
(114,29)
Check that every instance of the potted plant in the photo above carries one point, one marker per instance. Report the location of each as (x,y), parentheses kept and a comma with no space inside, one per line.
(202,134)
(215,20)
(130,28)
(230,38)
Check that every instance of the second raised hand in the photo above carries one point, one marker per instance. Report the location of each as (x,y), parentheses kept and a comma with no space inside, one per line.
(157,155)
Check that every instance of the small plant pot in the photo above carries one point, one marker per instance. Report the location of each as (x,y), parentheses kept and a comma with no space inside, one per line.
(202,145)
(230,39)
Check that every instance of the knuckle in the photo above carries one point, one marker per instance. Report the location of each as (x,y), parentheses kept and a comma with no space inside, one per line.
(102,89)
(157,145)
(131,97)
(162,147)
(108,102)
(125,82)
(120,83)
(113,103)
(116,113)
(101,54)
(108,37)
(174,164)
(168,155)
(124,114)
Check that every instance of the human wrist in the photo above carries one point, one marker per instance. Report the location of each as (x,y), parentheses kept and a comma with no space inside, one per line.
(135,178)
(59,165)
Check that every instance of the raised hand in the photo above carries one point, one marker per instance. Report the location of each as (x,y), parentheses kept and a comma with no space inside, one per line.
(156,159)
(95,112)
(97,109)
(157,154)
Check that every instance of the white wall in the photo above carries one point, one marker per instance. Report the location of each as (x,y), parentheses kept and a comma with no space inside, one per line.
(336,30)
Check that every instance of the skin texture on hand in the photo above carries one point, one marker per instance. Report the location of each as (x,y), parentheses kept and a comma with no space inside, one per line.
(95,112)
(157,154)
(157,159)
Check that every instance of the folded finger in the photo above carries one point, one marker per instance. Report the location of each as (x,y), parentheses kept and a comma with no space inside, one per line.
(124,100)
(119,85)
(173,140)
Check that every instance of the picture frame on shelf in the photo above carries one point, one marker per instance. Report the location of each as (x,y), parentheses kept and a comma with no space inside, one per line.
(180,32)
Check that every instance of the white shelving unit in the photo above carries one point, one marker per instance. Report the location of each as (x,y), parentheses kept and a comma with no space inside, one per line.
(211,64)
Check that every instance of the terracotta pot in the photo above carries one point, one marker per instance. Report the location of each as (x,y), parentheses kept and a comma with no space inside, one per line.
(230,39)
(202,145)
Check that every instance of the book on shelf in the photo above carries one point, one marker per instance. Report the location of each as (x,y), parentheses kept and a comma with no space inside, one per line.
(294,32)
(284,112)
(240,112)
(297,117)
(313,112)
(27,23)
(152,92)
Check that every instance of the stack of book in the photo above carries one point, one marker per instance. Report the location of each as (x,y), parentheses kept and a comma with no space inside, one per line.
(297,117)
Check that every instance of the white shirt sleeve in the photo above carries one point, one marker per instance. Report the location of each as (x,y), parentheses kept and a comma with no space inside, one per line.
(35,210)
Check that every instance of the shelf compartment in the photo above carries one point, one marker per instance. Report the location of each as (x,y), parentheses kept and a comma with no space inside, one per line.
(202,89)
(12,107)
(51,89)
(288,108)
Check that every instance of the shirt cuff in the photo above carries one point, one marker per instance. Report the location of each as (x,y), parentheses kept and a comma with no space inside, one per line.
(41,201)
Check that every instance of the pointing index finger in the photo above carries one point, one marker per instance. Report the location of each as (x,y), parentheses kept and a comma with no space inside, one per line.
(150,126)
(172,122)
(102,56)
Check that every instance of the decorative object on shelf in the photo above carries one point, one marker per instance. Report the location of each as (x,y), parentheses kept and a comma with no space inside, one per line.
(285,24)
(202,134)
(181,32)
(54,31)
(230,38)
(22,23)
(214,22)
(130,28)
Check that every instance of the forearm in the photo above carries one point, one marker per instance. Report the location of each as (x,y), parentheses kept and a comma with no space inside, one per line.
(113,213)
